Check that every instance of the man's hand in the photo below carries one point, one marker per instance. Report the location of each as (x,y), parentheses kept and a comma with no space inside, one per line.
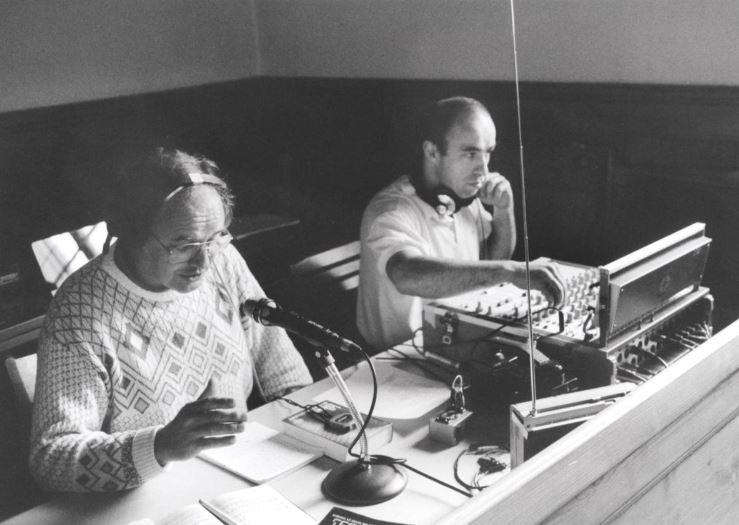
(545,276)
(496,191)
(205,423)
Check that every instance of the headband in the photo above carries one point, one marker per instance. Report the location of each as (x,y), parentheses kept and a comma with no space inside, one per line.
(193,179)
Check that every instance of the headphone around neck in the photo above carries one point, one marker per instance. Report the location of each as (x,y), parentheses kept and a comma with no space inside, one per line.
(443,199)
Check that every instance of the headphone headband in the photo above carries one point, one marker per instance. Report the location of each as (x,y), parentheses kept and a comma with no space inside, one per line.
(193,179)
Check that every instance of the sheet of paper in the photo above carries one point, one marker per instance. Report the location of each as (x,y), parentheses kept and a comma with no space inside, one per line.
(261,505)
(192,514)
(400,395)
(261,453)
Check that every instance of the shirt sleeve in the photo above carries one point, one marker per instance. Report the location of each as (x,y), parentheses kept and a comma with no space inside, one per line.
(392,229)
(278,365)
(69,449)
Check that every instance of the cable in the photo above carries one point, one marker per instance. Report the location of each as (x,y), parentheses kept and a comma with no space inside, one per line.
(487,464)
(587,336)
(369,412)
(417,362)
(643,351)
(421,351)
(432,478)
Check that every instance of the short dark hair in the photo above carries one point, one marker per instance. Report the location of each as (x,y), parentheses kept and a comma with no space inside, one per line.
(145,183)
(435,121)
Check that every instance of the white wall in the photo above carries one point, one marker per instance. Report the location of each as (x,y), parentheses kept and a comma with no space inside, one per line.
(641,41)
(55,52)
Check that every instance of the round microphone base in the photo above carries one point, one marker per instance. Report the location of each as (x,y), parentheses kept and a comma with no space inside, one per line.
(360,483)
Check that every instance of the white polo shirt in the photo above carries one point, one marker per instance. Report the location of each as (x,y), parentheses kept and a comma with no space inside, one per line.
(398,219)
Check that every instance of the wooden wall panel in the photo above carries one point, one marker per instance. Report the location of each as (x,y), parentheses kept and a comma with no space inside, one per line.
(609,167)
(700,489)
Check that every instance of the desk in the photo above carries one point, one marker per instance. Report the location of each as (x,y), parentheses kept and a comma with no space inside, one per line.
(422,501)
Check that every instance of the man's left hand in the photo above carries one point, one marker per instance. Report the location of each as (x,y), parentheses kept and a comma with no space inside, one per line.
(496,191)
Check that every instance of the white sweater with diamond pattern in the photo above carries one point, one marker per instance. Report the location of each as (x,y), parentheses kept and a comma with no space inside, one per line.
(116,362)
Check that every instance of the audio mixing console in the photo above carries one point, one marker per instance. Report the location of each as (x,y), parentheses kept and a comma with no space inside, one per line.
(624,321)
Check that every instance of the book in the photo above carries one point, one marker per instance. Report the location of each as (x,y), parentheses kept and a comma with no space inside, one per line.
(339,516)
(304,427)
(261,453)
(260,505)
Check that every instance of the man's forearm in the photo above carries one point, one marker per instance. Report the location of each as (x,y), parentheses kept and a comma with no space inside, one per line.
(433,277)
(502,240)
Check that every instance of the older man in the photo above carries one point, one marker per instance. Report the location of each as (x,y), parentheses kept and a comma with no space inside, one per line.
(143,358)
(446,228)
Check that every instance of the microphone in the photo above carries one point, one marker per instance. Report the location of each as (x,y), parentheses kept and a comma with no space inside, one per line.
(267,312)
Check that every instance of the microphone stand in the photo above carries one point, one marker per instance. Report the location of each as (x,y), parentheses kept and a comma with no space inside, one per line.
(366,480)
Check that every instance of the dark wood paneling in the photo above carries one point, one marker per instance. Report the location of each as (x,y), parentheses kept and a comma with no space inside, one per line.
(608,167)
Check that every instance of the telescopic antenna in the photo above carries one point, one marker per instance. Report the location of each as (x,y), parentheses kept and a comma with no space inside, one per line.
(532,373)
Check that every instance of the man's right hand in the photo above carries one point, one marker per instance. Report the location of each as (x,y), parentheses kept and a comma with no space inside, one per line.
(545,276)
(205,423)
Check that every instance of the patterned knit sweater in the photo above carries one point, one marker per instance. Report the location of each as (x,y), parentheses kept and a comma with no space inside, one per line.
(117,362)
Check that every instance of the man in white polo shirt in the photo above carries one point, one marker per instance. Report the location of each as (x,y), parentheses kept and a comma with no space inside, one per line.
(446,228)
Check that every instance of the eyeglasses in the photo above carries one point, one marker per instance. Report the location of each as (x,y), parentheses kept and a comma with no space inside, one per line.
(186,251)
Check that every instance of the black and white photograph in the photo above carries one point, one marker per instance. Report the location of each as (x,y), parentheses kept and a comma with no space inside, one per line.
(383,262)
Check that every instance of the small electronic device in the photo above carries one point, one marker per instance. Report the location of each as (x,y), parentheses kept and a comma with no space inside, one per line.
(335,418)
(448,426)
(320,430)
(555,416)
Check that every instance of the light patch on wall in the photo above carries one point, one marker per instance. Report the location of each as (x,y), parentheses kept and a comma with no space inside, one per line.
(62,52)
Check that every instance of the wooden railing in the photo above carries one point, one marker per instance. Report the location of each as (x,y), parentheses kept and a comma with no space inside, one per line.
(666,453)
